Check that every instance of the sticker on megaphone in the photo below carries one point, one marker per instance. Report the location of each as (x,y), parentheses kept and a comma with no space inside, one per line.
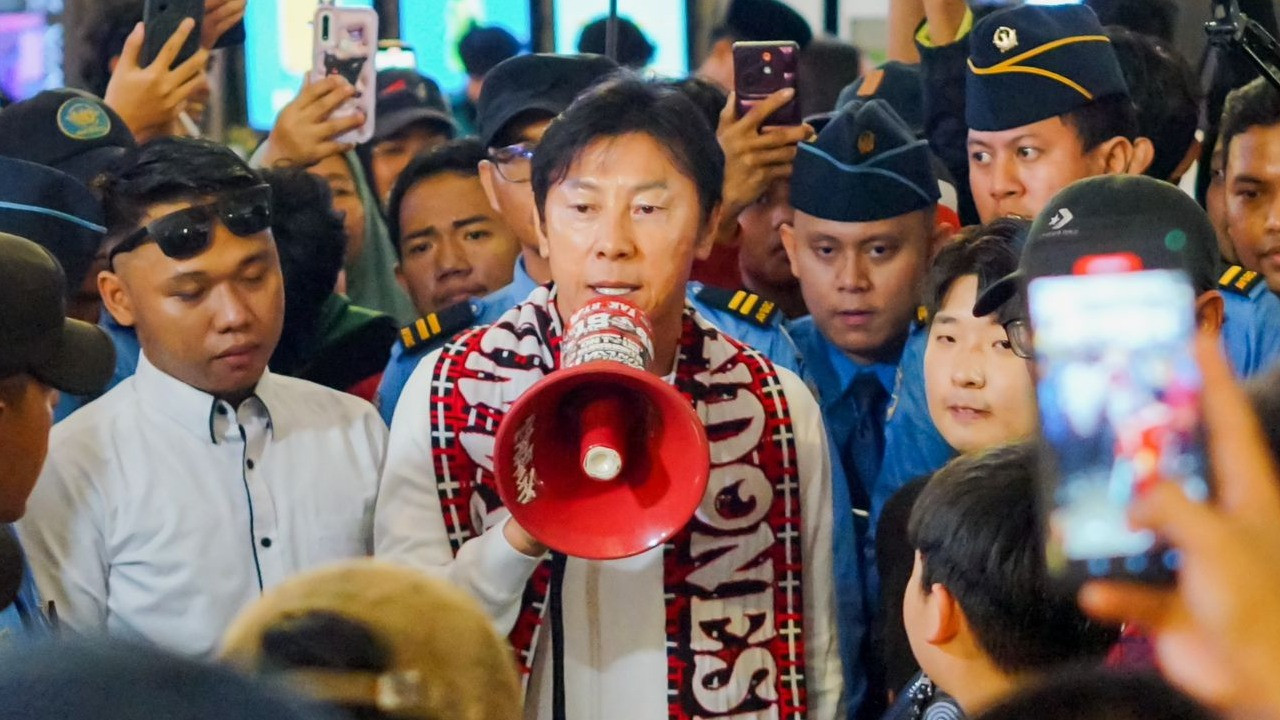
(608,329)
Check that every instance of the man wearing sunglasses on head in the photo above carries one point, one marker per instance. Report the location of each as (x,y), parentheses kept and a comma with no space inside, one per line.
(177,497)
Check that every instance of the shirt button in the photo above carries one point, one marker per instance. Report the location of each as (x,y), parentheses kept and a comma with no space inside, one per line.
(248,464)
(266,542)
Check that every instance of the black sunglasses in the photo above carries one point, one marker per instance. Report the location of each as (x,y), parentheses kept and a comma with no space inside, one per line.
(186,233)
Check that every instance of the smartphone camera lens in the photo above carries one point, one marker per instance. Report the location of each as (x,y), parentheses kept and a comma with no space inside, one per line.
(324,28)
(768,57)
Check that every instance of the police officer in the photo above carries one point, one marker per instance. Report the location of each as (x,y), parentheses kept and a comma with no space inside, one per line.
(41,352)
(865,230)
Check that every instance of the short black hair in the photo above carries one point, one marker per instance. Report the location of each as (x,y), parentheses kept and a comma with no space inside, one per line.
(311,240)
(482,47)
(1098,694)
(1255,104)
(1155,18)
(1099,120)
(321,640)
(989,251)
(167,170)
(634,49)
(708,96)
(1163,89)
(628,105)
(977,530)
(460,157)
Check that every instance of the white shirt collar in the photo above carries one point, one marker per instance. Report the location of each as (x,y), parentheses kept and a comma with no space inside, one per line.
(197,411)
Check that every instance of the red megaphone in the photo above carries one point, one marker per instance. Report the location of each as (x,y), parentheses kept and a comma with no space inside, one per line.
(602,460)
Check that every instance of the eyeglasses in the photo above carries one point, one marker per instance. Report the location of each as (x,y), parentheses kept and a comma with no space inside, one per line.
(186,233)
(514,162)
(1019,332)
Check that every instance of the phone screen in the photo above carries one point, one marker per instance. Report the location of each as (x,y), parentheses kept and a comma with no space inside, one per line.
(1119,396)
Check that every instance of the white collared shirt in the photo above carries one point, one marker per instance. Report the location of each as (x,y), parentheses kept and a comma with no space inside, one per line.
(161,511)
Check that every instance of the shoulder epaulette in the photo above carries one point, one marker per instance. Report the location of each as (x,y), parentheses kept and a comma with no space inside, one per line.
(426,332)
(747,305)
(1239,281)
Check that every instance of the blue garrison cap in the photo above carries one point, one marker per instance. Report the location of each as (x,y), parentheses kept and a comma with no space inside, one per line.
(1031,63)
(866,165)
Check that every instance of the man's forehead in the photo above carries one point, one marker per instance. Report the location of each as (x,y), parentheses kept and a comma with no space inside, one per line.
(1048,130)
(905,227)
(1256,148)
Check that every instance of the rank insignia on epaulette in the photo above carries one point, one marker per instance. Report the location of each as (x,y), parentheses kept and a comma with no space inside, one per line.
(418,335)
(1239,281)
(747,305)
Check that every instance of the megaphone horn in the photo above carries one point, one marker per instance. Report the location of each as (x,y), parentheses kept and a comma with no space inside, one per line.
(602,459)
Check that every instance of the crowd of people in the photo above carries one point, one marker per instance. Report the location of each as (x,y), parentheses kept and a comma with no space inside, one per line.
(249,406)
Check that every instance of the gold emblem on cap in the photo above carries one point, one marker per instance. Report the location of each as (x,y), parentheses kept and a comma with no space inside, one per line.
(866,142)
(1005,39)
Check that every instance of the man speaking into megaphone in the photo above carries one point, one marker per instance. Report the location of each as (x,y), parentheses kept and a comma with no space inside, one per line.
(732,615)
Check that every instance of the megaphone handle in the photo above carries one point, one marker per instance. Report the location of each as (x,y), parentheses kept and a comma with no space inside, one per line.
(555,607)
(603,445)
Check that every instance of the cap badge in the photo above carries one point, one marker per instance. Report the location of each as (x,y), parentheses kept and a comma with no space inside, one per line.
(1060,219)
(82,119)
(1005,39)
(866,142)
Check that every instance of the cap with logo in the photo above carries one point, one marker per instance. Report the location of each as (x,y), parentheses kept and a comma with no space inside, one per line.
(760,20)
(54,210)
(65,129)
(865,165)
(36,337)
(444,657)
(535,83)
(1032,63)
(406,98)
(1150,222)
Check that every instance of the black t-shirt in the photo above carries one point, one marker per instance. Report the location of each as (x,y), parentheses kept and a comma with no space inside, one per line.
(894,559)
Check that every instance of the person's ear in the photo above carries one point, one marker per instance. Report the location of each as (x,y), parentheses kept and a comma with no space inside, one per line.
(1210,311)
(788,234)
(945,617)
(544,242)
(942,235)
(707,235)
(115,297)
(488,181)
(1144,153)
(399,271)
(1114,156)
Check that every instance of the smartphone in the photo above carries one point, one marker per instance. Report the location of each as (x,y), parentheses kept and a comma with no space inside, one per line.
(160,20)
(1119,395)
(761,69)
(346,44)
(395,55)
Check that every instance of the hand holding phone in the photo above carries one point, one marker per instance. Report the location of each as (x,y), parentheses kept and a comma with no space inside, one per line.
(306,130)
(346,44)
(761,69)
(161,19)
(149,97)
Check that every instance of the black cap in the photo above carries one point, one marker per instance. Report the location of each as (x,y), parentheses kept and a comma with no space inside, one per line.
(113,680)
(65,129)
(1139,216)
(482,48)
(1031,63)
(760,20)
(897,83)
(866,165)
(544,83)
(53,209)
(36,337)
(406,98)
